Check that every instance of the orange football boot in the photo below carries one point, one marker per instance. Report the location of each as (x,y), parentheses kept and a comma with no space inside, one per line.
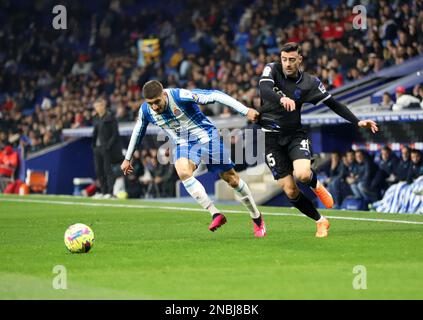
(322,228)
(323,194)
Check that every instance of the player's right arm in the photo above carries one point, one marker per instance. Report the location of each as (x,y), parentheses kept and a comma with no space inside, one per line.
(137,134)
(266,84)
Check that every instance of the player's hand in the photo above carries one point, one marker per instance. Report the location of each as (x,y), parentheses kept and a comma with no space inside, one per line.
(253,115)
(370,124)
(126,167)
(288,104)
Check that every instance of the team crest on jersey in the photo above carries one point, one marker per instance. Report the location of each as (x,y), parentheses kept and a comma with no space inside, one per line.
(176,111)
(297,94)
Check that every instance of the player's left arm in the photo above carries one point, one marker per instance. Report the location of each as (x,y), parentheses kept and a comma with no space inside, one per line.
(343,111)
(318,94)
(211,96)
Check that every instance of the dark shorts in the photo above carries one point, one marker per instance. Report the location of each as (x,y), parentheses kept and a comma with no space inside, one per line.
(281,150)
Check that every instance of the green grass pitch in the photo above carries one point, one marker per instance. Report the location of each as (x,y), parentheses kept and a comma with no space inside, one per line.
(156,251)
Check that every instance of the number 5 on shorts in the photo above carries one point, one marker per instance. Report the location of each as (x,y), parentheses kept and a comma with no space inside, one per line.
(270,160)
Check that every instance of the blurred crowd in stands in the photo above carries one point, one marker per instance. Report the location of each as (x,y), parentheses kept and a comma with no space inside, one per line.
(50,78)
(366,176)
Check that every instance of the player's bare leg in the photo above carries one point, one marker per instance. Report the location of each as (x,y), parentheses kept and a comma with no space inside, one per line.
(303,173)
(185,169)
(304,204)
(242,189)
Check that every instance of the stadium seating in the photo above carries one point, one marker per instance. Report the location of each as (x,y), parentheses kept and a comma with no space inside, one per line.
(37,181)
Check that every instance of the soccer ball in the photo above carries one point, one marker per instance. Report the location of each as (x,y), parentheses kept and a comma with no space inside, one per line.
(122,195)
(79,238)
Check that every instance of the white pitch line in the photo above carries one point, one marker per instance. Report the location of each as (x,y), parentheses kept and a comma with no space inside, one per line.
(133,206)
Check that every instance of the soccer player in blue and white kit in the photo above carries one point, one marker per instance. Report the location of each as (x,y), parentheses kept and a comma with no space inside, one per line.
(196,138)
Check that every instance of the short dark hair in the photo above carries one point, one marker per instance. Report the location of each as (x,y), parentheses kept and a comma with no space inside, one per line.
(100,99)
(291,47)
(416,151)
(362,151)
(152,89)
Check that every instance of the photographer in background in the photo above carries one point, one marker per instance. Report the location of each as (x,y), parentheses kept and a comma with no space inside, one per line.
(107,148)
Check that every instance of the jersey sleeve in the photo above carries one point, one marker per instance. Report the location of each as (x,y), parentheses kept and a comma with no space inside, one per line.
(211,96)
(266,84)
(137,134)
(317,93)
(267,74)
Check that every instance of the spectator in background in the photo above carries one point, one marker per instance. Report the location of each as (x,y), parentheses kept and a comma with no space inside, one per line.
(404,100)
(106,146)
(418,93)
(416,166)
(386,171)
(169,180)
(122,114)
(361,179)
(404,164)
(36,143)
(334,178)
(81,67)
(157,172)
(386,103)
(168,173)
(349,163)
(347,177)
(147,178)
(132,181)
(9,161)
(3,139)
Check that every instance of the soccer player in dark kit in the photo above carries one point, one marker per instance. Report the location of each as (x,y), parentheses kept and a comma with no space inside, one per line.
(283,90)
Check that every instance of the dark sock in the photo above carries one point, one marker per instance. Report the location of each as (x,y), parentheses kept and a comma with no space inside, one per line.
(306,206)
(257,221)
(312,183)
(215,215)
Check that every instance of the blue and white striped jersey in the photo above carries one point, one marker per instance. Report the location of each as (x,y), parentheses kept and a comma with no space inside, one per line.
(182,119)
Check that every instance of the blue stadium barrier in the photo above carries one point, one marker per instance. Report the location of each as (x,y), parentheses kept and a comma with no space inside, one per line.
(64,162)
(354,204)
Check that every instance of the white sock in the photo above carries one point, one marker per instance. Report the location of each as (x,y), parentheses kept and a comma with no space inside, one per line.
(322,218)
(197,191)
(247,199)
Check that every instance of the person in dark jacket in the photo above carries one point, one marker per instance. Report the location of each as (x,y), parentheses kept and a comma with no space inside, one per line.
(334,178)
(387,166)
(404,164)
(363,174)
(416,167)
(107,147)
(132,183)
